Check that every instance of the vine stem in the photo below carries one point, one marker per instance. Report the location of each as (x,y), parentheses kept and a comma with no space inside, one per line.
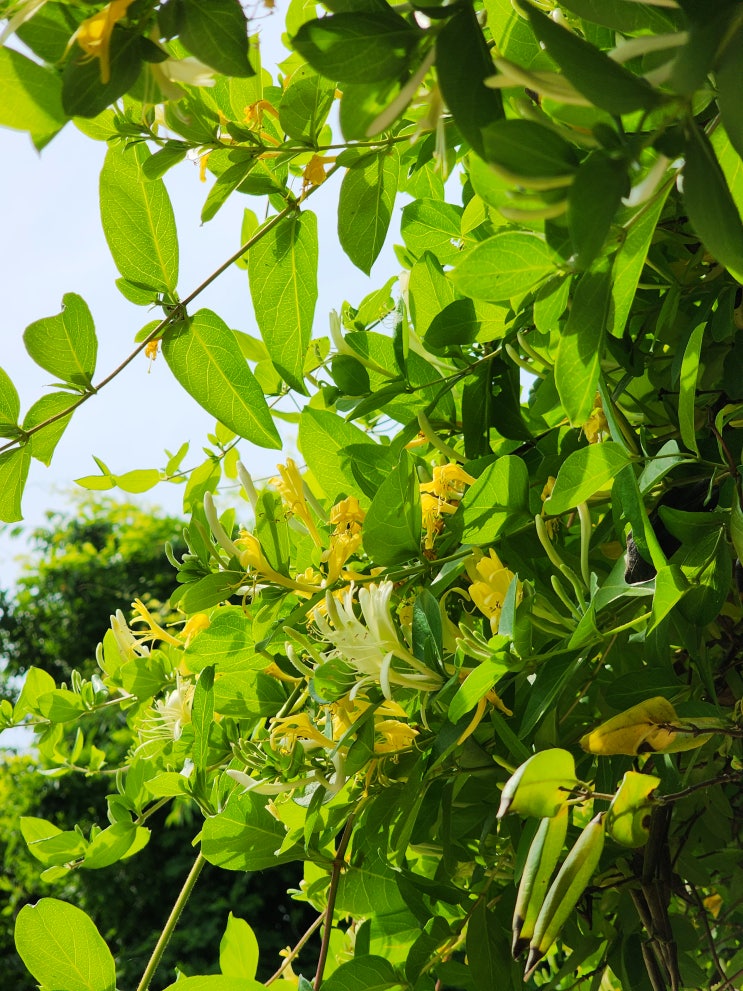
(173,317)
(327,917)
(172,922)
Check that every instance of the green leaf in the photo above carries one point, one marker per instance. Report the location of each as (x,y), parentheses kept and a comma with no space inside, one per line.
(138,220)
(209,591)
(585,472)
(606,83)
(365,205)
(49,844)
(62,948)
(504,266)
(216,31)
(430,225)
(357,47)
(581,346)
(36,683)
(630,260)
(244,836)
(688,387)
(305,105)
(238,949)
(282,270)
(474,687)
(10,405)
(84,94)
(114,844)
(712,210)
(462,64)
(392,528)
(322,437)
(363,973)
(497,502)
(14,467)
(729,74)
(202,716)
(488,953)
(227,643)
(219,982)
(32,97)
(525,148)
(457,324)
(429,291)
(61,705)
(248,694)
(65,345)
(204,356)
(593,201)
(736,526)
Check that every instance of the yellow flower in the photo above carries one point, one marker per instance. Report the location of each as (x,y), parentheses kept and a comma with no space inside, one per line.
(489,591)
(713,904)
(548,487)
(253,116)
(287,731)
(94,34)
(251,557)
(432,509)
(291,489)
(395,735)
(596,424)
(314,172)
(154,631)
(347,515)
(448,482)
(203,162)
(198,622)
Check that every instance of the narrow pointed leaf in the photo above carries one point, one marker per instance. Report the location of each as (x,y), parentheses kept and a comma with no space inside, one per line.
(138,220)
(365,205)
(282,270)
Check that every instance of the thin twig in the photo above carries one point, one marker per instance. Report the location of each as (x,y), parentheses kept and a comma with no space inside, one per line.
(699,786)
(296,949)
(724,980)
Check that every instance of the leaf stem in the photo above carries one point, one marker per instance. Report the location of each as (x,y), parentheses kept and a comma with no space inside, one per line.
(291,955)
(172,922)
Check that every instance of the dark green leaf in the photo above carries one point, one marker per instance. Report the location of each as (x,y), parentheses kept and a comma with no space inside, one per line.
(462,64)
(456,324)
(525,148)
(606,83)
(84,94)
(202,716)
(216,31)
(729,75)
(581,346)
(712,210)
(488,952)
(365,973)
(593,201)
(365,205)
(357,47)
(392,528)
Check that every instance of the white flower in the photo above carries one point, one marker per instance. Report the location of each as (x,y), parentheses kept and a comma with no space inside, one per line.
(375,649)
(169,73)
(169,715)
(128,644)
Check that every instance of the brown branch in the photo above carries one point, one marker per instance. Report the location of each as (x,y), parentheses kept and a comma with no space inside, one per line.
(339,863)
(724,981)
(292,954)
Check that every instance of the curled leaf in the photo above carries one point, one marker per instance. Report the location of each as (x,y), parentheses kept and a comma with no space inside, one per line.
(641,729)
(541,786)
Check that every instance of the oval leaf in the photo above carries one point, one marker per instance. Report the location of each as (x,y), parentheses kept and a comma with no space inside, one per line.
(205,357)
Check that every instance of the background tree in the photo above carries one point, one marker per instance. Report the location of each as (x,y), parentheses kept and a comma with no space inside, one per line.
(100,556)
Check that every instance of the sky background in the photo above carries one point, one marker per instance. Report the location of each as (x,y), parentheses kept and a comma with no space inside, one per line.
(52,243)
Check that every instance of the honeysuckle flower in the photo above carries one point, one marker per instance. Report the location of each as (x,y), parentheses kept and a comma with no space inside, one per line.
(94,34)
(194,625)
(169,715)
(432,510)
(395,734)
(18,14)
(488,592)
(251,557)
(129,645)
(448,482)
(314,171)
(287,731)
(596,425)
(373,646)
(154,631)
(342,546)
(291,489)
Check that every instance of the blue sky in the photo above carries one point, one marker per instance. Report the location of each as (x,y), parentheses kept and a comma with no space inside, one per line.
(54,244)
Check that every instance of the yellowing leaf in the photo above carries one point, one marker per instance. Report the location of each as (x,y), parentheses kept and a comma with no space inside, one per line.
(640,729)
(541,786)
(628,818)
